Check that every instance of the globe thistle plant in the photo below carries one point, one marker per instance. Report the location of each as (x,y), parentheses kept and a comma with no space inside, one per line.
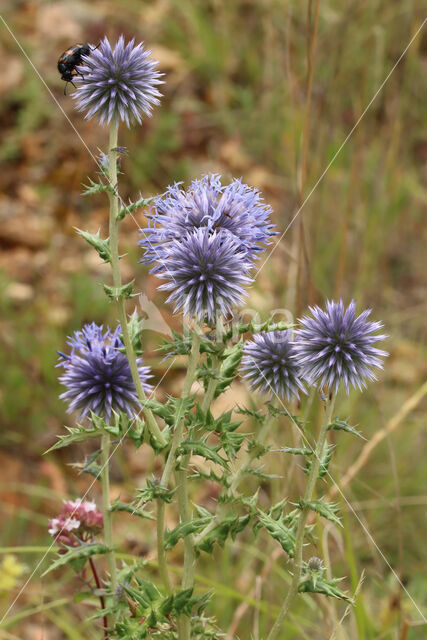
(268,365)
(118,83)
(206,273)
(335,346)
(207,203)
(97,374)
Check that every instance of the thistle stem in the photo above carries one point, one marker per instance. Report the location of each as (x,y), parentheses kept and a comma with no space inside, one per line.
(161,553)
(106,512)
(311,482)
(117,281)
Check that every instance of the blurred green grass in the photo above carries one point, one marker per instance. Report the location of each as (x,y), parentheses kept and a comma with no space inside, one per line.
(234,102)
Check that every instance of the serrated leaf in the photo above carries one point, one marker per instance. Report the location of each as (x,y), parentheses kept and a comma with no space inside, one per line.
(97,187)
(256,327)
(297,451)
(200,448)
(278,530)
(115,293)
(99,244)
(327,510)
(135,330)
(256,415)
(231,443)
(166,606)
(184,529)
(154,491)
(75,434)
(134,206)
(181,600)
(325,586)
(137,432)
(229,526)
(342,425)
(117,505)
(229,366)
(325,460)
(276,412)
(72,554)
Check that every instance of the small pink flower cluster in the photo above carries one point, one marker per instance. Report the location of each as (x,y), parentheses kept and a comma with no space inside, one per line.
(78,521)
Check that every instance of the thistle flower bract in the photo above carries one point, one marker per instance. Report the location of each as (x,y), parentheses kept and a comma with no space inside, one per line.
(268,365)
(97,374)
(335,346)
(235,207)
(78,521)
(117,83)
(206,274)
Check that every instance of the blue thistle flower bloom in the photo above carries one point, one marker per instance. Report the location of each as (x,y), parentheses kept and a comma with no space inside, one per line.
(335,346)
(208,204)
(206,273)
(97,374)
(117,83)
(268,364)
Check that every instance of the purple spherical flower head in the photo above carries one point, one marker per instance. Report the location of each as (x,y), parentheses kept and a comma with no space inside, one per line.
(117,83)
(268,365)
(207,203)
(335,346)
(206,274)
(97,374)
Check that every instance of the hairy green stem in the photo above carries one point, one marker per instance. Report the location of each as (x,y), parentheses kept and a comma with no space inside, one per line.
(106,512)
(161,553)
(117,281)
(311,483)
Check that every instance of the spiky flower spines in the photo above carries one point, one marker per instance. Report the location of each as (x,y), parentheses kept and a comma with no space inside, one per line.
(207,203)
(268,365)
(118,83)
(97,374)
(206,273)
(334,346)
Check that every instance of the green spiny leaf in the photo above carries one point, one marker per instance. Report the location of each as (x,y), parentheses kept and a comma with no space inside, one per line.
(99,244)
(115,293)
(72,554)
(154,491)
(97,187)
(134,330)
(200,448)
(117,505)
(342,425)
(134,206)
(278,530)
(184,529)
(327,510)
(297,451)
(233,357)
(75,434)
(322,585)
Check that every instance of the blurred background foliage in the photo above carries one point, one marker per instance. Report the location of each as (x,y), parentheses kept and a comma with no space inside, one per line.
(237,77)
